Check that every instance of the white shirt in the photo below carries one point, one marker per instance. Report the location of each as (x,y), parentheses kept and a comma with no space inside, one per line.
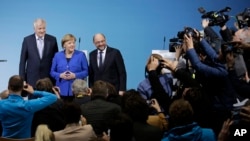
(103,55)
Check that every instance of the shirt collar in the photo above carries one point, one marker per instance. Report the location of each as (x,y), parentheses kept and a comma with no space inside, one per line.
(39,38)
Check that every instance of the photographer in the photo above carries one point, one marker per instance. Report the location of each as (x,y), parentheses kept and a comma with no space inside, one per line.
(160,84)
(240,55)
(211,36)
(16,113)
(213,76)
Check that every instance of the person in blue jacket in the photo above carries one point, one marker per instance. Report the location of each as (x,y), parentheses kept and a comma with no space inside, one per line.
(16,114)
(182,126)
(68,65)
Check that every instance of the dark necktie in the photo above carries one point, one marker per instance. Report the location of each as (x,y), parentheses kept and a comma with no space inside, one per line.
(100,59)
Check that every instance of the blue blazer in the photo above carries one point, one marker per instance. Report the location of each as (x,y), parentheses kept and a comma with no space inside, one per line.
(78,64)
(31,67)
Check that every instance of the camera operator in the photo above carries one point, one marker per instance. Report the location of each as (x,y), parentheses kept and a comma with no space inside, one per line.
(211,36)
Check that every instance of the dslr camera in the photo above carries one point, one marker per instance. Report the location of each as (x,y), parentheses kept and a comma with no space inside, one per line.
(229,47)
(243,18)
(187,31)
(174,42)
(216,18)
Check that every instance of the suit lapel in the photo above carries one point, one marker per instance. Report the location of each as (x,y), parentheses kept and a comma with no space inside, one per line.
(106,59)
(34,44)
(94,58)
(46,46)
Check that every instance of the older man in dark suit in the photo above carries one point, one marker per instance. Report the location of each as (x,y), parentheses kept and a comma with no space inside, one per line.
(37,52)
(106,63)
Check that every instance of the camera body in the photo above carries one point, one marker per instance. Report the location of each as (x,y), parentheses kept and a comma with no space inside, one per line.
(174,42)
(243,18)
(187,31)
(216,18)
(229,47)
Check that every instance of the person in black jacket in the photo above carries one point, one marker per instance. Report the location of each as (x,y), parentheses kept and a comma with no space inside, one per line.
(51,115)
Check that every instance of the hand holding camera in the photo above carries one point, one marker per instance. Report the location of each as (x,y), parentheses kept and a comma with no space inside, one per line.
(154,103)
(245,113)
(28,88)
(153,63)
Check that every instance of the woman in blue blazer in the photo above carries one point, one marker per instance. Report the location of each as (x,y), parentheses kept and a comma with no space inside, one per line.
(68,65)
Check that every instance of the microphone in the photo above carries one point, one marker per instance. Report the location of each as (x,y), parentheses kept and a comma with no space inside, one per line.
(3,60)
(164,40)
(79,41)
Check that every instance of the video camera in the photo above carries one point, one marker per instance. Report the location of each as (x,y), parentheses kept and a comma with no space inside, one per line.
(216,18)
(243,18)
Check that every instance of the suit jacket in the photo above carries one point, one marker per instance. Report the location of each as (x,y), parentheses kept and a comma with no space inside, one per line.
(78,64)
(75,133)
(31,67)
(146,132)
(52,115)
(113,70)
(100,114)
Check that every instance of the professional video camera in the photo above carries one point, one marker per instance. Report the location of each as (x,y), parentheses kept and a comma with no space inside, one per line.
(216,18)
(174,42)
(244,18)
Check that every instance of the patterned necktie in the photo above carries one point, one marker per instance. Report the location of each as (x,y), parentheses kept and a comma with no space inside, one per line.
(40,47)
(100,59)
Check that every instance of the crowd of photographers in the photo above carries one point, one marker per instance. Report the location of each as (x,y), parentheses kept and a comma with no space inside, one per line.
(211,69)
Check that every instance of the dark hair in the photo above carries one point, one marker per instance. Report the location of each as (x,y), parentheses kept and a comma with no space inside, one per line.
(44,84)
(181,113)
(193,95)
(135,106)
(122,128)
(15,83)
(72,112)
(99,89)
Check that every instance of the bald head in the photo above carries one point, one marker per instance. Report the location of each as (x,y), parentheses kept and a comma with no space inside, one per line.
(98,35)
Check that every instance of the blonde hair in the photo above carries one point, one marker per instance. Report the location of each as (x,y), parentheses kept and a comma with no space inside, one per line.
(66,38)
(43,133)
(157,56)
